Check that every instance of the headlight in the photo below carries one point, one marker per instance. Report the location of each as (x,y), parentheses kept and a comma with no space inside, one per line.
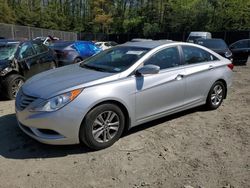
(57,102)
(228,54)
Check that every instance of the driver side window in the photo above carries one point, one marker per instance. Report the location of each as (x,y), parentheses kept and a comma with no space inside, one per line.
(166,58)
(26,51)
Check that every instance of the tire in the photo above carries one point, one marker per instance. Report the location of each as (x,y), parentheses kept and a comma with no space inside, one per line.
(53,65)
(12,84)
(96,120)
(216,95)
(77,60)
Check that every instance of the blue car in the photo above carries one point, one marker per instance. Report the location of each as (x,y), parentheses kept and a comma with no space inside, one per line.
(69,52)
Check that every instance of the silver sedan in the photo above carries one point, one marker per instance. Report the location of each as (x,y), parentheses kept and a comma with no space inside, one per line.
(95,101)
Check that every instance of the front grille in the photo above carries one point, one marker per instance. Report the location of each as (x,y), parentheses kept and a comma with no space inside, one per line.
(23,100)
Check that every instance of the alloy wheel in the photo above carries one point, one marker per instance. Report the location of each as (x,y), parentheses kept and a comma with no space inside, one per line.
(17,84)
(217,95)
(105,126)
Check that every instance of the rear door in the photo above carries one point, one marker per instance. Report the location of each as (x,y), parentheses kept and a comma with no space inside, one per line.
(45,56)
(28,60)
(157,94)
(199,65)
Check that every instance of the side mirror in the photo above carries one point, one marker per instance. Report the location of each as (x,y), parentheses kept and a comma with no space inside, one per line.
(148,69)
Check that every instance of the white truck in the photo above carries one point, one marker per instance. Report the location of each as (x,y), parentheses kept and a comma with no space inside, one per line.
(198,34)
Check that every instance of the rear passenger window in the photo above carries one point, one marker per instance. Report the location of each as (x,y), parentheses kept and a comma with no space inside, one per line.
(40,48)
(194,55)
(166,58)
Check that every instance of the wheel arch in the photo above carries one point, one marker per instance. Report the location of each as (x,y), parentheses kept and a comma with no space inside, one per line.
(225,85)
(11,73)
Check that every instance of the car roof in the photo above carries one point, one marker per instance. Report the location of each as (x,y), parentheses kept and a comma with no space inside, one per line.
(242,40)
(147,44)
(8,41)
(199,32)
(213,39)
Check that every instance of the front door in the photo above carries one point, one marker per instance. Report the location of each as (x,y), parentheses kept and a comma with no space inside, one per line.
(157,94)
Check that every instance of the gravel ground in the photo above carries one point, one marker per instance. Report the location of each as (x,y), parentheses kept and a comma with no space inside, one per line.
(195,148)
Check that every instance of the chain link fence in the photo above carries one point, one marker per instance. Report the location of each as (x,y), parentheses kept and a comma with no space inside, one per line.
(10,31)
(228,36)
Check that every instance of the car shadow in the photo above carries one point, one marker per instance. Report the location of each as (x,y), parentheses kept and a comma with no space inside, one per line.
(15,144)
(2,98)
(163,119)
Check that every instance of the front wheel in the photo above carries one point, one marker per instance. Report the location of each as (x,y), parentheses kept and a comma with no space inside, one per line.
(12,84)
(102,126)
(216,95)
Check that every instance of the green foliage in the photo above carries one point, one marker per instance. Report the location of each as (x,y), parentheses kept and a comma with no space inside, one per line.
(128,16)
(149,30)
(6,13)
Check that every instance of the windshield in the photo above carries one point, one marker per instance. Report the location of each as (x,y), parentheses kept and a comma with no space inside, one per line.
(213,44)
(7,50)
(115,60)
(193,38)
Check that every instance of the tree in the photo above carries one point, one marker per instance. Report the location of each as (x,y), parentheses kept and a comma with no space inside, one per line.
(6,13)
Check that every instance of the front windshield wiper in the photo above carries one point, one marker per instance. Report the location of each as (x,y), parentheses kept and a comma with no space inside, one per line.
(93,67)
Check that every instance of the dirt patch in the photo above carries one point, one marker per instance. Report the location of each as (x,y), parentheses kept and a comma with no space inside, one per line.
(196,148)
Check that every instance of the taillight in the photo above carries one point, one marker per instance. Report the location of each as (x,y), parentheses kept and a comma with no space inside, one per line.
(231,66)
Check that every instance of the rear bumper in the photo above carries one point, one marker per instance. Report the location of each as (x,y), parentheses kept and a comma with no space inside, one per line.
(64,62)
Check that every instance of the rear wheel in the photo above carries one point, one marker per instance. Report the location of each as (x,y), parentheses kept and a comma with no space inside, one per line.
(77,60)
(12,84)
(53,65)
(216,95)
(102,126)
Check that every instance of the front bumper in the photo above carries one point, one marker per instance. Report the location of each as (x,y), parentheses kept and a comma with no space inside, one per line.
(56,128)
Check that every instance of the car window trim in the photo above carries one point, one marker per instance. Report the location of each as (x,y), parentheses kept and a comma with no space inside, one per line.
(23,59)
(37,51)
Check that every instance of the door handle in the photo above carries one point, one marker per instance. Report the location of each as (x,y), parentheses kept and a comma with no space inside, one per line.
(210,67)
(179,77)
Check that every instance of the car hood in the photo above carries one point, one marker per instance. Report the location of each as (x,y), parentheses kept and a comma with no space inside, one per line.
(60,80)
(220,51)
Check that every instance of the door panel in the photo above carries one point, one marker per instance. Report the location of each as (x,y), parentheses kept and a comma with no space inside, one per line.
(198,81)
(159,93)
(29,60)
(44,57)
(199,70)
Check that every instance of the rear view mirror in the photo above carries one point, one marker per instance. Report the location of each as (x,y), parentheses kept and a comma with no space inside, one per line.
(148,69)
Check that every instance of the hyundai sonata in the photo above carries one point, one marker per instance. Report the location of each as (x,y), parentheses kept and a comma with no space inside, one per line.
(94,101)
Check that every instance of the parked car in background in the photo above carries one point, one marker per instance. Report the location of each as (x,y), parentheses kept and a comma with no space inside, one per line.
(217,45)
(106,45)
(46,40)
(198,34)
(118,89)
(20,60)
(2,38)
(241,51)
(70,52)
